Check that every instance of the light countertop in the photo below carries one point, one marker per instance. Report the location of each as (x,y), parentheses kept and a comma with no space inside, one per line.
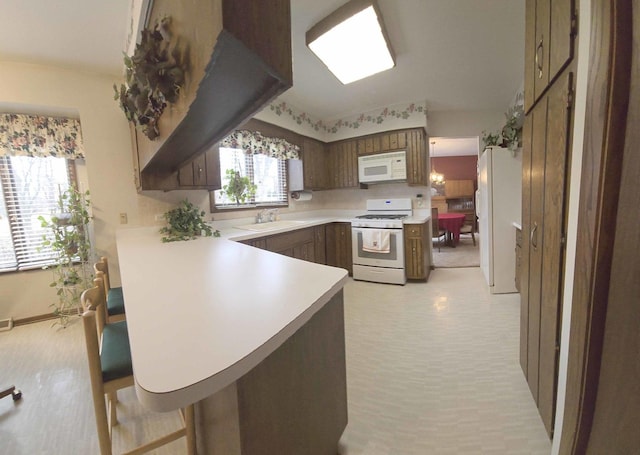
(202,313)
(229,228)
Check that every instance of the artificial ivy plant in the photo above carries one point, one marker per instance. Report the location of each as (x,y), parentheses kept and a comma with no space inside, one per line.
(186,222)
(154,76)
(68,237)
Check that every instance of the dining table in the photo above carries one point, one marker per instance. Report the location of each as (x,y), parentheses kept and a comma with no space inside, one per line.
(451,222)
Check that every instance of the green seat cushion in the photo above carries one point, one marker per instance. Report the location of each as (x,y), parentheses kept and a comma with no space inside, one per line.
(115,301)
(115,358)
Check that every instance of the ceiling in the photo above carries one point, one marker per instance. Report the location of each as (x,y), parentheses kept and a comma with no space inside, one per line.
(453,55)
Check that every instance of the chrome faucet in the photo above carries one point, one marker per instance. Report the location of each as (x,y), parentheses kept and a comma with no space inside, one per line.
(261,216)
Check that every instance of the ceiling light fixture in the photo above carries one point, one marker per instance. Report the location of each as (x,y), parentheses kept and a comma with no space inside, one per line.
(352,41)
(435,177)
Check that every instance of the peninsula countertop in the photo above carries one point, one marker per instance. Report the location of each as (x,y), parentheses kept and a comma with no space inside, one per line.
(204,312)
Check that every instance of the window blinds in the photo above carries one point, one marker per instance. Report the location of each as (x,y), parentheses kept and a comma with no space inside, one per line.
(30,188)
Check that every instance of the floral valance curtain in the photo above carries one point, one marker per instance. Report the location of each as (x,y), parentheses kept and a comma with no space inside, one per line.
(254,143)
(40,136)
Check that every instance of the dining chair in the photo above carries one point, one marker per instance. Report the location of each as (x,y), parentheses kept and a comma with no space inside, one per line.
(436,232)
(468,227)
(111,369)
(114,309)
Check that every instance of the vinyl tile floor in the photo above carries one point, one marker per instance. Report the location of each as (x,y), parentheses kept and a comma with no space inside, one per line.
(432,368)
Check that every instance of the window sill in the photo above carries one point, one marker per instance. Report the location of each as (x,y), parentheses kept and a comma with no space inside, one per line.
(245,207)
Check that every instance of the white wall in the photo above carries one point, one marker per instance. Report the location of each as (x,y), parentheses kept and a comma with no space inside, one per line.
(464,123)
(36,88)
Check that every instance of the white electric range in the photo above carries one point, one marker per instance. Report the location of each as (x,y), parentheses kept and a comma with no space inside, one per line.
(378,241)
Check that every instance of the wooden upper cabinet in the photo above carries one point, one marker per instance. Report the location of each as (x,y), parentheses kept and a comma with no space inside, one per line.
(342,163)
(550,29)
(201,173)
(416,157)
(239,59)
(314,164)
(458,188)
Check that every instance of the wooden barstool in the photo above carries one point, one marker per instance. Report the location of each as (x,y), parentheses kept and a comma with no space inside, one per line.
(110,369)
(114,309)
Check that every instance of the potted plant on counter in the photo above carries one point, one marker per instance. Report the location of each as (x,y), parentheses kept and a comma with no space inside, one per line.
(186,222)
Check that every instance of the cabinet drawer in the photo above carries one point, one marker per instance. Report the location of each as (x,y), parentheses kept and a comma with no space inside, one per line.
(414,231)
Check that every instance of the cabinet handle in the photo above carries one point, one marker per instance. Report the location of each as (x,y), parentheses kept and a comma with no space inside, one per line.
(199,169)
(534,237)
(539,48)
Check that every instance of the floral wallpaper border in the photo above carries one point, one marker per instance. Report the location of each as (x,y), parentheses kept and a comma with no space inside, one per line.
(387,113)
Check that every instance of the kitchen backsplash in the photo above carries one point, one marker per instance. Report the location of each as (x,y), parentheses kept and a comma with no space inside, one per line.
(153,203)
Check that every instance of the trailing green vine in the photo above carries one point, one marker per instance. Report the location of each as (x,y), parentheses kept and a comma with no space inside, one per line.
(186,223)
(154,75)
(68,237)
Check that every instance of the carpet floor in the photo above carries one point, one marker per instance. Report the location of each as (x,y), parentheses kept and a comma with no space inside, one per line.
(465,254)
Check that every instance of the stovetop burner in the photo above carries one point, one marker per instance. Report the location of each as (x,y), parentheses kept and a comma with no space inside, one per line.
(381,217)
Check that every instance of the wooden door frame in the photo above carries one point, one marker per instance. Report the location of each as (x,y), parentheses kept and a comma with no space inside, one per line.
(606,116)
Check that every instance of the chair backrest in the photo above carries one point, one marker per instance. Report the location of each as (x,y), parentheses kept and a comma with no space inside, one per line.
(470,220)
(435,227)
(93,303)
(102,266)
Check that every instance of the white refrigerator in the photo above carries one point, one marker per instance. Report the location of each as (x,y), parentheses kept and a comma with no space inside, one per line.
(499,206)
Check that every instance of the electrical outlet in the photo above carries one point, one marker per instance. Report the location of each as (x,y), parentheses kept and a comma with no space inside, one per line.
(123,218)
(159,217)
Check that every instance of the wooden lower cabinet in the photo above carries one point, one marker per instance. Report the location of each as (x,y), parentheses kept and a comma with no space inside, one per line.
(320,244)
(416,254)
(307,244)
(338,247)
(297,244)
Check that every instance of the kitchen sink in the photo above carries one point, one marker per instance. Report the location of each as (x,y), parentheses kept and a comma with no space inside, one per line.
(271,225)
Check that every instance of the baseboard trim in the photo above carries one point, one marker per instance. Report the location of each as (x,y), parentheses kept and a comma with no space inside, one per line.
(32,319)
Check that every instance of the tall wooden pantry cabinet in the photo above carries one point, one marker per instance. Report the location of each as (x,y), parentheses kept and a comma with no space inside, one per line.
(549,83)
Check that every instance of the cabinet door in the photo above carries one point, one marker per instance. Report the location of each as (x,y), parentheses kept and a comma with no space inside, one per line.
(212,167)
(555,178)
(314,164)
(320,252)
(345,252)
(203,172)
(549,44)
(527,142)
(416,157)
(338,237)
(545,162)
(343,164)
(415,251)
(304,251)
(534,231)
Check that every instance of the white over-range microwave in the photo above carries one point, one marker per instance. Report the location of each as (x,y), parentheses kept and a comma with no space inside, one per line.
(384,167)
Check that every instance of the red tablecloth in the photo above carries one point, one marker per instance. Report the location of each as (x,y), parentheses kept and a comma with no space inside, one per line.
(451,222)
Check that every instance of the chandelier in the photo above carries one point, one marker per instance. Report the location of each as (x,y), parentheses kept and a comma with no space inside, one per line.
(435,176)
